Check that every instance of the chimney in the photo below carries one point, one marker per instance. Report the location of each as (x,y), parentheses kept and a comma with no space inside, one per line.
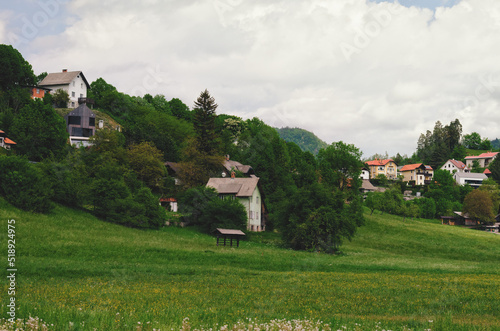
(227,157)
(233,174)
(65,70)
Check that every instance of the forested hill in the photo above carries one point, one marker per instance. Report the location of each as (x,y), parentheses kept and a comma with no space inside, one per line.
(306,140)
(495,143)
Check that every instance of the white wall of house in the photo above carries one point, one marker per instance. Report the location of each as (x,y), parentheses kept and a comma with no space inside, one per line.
(76,89)
(253,205)
(365,174)
(449,166)
(473,179)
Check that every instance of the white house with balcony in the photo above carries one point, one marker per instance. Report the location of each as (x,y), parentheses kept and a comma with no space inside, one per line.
(73,82)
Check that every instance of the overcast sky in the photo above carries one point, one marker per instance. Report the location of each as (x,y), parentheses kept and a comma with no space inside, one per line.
(372,73)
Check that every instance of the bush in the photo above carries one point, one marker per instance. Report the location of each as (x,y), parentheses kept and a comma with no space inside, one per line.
(226,214)
(204,208)
(23,185)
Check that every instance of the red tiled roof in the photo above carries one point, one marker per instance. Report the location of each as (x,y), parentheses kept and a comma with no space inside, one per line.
(168,199)
(487,171)
(409,167)
(8,141)
(378,162)
(482,156)
(458,164)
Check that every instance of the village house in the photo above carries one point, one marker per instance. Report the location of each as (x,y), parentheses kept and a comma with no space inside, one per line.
(483,159)
(453,166)
(473,179)
(388,167)
(459,218)
(38,92)
(246,190)
(418,173)
(365,173)
(80,124)
(5,142)
(73,82)
(226,168)
(230,165)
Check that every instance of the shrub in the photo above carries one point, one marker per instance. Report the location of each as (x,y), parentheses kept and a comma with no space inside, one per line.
(23,185)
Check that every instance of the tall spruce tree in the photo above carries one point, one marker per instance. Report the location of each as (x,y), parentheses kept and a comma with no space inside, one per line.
(204,124)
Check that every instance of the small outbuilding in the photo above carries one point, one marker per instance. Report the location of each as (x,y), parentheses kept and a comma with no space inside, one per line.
(224,234)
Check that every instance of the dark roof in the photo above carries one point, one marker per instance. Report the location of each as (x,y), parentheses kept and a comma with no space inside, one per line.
(241,187)
(62,78)
(230,164)
(81,110)
(173,165)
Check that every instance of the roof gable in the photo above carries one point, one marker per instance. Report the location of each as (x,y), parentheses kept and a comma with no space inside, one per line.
(458,164)
(410,167)
(488,155)
(81,110)
(379,162)
(62,78)
(241,187)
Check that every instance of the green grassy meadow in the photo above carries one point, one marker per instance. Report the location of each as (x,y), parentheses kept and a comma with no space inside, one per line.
(75,272)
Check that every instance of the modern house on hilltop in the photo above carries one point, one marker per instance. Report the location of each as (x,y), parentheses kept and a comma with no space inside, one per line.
(80,124)
(73,82)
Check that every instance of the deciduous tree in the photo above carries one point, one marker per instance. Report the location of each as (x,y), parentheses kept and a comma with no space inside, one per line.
(478,206)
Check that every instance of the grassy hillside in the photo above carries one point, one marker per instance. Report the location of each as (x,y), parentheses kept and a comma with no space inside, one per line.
(79,273)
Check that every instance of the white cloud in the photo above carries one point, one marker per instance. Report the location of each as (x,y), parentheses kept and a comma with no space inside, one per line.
(285,61)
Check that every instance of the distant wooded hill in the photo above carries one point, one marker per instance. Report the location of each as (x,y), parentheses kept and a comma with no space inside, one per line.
(495,143)
(306,140)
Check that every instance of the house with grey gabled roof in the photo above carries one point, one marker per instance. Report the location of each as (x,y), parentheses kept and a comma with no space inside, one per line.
(246,191)
(73,82)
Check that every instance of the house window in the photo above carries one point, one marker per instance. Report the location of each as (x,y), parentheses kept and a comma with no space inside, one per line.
(73,104)
(87,132)
(74,120)
(81,95)
(251,199)
(77,132)
(92,121)
(257,200)
(73,83)
(73,94)
(257,215)
(81,85)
